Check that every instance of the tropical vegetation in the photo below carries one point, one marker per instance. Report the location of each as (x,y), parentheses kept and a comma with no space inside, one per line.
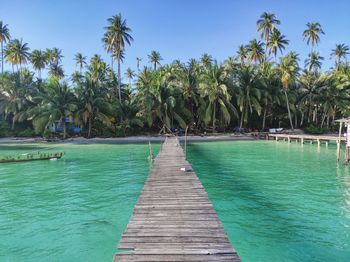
(259,87)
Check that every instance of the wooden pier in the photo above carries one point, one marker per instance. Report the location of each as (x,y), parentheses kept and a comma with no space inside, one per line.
(306,138)
(173,219)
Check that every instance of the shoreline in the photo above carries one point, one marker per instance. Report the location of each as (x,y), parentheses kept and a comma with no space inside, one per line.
(126,140)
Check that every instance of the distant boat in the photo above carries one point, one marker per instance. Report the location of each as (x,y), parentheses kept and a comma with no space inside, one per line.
(31,157)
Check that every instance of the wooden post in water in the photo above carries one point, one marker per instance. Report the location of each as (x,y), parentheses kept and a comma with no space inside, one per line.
(347,145)
(186,142)
(151,156)
(339,141)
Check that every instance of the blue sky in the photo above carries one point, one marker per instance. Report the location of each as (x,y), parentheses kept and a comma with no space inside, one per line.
(180,29)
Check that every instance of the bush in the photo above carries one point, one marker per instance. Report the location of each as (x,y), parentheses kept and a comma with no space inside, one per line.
(49,134)
(5,129)
(28,132)
(315,130)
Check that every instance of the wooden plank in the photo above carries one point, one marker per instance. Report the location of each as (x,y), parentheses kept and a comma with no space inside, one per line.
(173,219)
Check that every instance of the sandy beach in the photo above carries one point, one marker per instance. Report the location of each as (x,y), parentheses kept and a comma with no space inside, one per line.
(130,139)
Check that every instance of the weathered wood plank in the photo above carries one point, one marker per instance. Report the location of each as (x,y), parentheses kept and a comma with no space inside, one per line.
(173,219)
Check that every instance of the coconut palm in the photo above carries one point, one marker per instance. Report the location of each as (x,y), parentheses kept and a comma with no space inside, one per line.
(288,70)
(118,35)
(129,74)
(155,58)
(12,96)
(109,46)
(206,60)
(276,42)
(17,53)
(312,33)
(266,24)
(340,52)
(213,87)
(92,103)
(57,103)
(4,37)
(248,85)
(38,59)
(255,51)
(80,61)
(313,62)
(242,53)
(312,85)
(56,71)
(54,56)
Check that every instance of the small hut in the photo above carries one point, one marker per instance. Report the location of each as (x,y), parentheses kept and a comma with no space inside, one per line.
(346,123)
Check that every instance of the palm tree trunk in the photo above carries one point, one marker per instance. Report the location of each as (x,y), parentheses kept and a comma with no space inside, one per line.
(264,116)
(13,123)
(214,115)
(119,79)
(328,120)
(302,118)
(112,61)
(323,119)
(89,131)
(244,114)
(289,115)
(2,57)
(64,127)
(155,66)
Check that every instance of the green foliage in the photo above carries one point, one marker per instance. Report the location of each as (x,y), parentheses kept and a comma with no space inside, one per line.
(28,132)
(315,130)
(5,129)
(247,91)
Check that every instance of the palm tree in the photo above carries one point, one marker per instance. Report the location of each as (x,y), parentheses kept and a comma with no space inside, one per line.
(266,24)
(312,33)
(92,103)
(138,61)
(206,60)
(248,86)
(130,74)
(155,58)
(57,102)
(313,62)
(109,46)
(38,59)
(118,34)
(213,87)
(242,53)
(17,53)
(340,52)
(54,56)
(288,69)
(255,51)
(4,37)
(12,96)
(80,61)
(56,71)
(276,42)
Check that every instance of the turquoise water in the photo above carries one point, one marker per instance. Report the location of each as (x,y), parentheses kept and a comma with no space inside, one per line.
(73,209)
(278,201)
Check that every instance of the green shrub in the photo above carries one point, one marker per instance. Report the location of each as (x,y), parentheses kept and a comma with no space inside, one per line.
(315,130)
(28,132)
(5,129)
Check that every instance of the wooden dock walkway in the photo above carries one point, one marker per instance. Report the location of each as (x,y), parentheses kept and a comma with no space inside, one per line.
(173,219)
(303,138)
